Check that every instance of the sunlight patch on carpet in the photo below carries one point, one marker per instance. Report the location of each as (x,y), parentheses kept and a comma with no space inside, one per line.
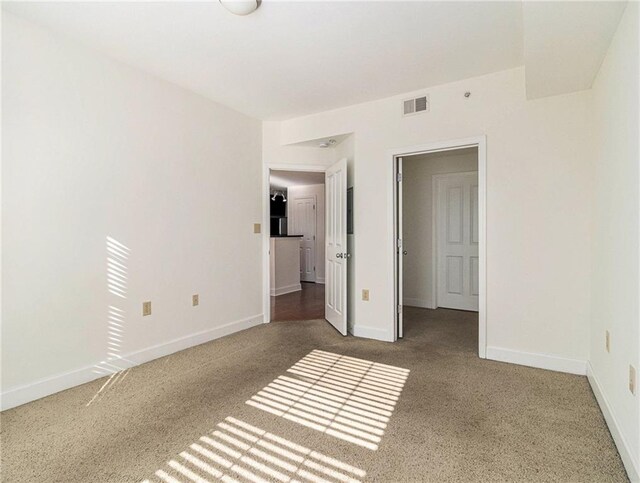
(238,451)
(344,397)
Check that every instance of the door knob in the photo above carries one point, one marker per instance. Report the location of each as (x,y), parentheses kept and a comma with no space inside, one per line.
(338,255)
(404,252)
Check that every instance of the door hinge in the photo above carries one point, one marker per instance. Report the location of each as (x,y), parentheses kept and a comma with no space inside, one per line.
(399,243)
(399,177)
(399,309)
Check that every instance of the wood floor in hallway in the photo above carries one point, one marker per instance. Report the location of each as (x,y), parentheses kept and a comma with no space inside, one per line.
(305,304)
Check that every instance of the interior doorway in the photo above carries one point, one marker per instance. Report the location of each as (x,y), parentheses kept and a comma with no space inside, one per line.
(439,235)
(297,240)
(305,200)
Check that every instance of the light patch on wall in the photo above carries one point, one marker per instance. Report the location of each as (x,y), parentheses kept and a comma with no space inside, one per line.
(344,397)
(115,366)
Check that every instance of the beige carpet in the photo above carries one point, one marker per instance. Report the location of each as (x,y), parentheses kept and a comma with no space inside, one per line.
(424,409)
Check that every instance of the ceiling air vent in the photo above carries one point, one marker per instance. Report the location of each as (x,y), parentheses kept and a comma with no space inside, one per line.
(415,106)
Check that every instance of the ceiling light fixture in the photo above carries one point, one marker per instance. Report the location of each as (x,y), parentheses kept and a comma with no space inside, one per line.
(241,7)
(326,144)
(277,193)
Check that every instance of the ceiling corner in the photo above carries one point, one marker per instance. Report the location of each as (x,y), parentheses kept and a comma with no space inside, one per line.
(565,44)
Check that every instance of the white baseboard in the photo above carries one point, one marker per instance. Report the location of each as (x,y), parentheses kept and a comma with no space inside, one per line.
(45,387)
(371,333)
(423,303)
(628,459)
(320,280)
(286,289)
(541,361)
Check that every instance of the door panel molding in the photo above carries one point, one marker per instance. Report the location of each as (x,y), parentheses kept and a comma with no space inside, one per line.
(454,290)
(336,246)
(302,215)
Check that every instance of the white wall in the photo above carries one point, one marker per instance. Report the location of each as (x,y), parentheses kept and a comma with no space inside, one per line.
(285,265)
(95,149)
(615,261)
(316,190)
(538,230)
(417,197)
(276,152)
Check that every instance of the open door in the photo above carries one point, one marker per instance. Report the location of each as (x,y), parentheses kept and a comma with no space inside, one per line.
(335,310)
(400,251)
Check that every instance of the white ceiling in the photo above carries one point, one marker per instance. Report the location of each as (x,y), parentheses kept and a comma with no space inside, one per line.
(286,179)
(565,43)
(294,58)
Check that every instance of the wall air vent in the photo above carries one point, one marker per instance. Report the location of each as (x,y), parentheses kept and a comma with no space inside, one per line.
(415,106)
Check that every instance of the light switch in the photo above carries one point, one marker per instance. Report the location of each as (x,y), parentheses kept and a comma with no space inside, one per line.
(146,308)
(256,227)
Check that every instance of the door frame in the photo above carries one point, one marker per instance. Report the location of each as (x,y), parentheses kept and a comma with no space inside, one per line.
(435,206)
(266,224)
(480,142)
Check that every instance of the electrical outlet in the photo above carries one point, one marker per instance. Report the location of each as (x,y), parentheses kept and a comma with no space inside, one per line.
(607,340)
(146,308)
(632,380)
(256,227)
(365,294)
(195,299)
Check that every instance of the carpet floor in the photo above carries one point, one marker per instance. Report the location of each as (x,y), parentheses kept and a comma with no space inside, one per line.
(295,401)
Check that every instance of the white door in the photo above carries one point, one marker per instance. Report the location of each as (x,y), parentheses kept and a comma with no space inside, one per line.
(336,246)
(303,222)
(457,240)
